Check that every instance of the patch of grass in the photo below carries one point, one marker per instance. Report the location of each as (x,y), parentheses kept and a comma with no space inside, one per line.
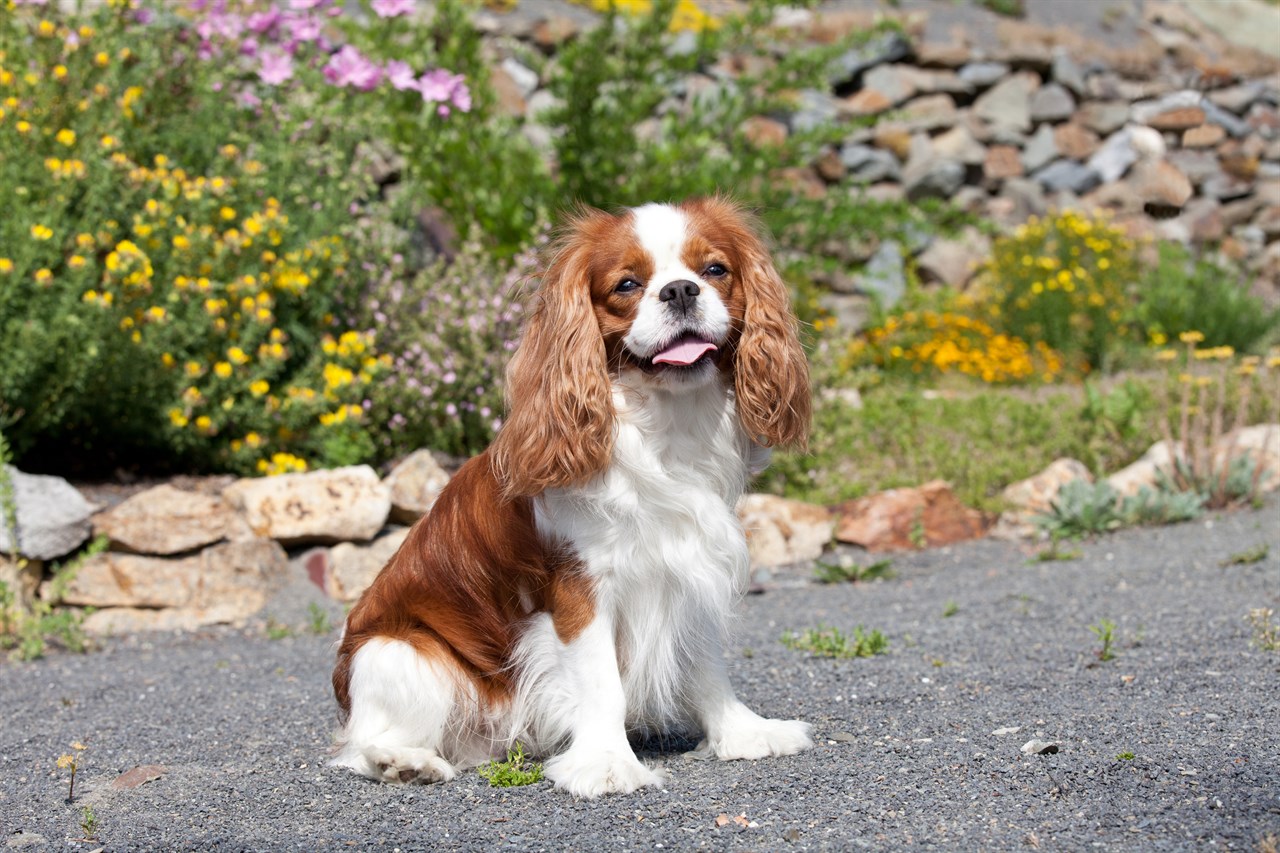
(1105,632)
(846,570)
(828,642)
(27,632)
(1055,552)
(950,609)
(317,619)
(1082,508)
(512,773)
(1266,634)
(89,823)
(1124,756)
(1008,8)
(1252,555)
(276,630)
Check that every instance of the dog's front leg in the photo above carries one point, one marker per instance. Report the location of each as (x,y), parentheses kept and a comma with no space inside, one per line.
(598,760)
(731,729)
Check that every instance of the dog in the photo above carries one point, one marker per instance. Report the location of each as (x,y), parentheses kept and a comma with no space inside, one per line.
(574,582)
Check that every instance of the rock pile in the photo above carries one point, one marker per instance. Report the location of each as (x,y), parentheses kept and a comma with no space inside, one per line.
(1177,135)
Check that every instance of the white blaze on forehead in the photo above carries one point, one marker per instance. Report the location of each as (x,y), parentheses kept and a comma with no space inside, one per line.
(661,230)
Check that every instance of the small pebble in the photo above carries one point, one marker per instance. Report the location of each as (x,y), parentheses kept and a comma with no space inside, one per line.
(1035,746)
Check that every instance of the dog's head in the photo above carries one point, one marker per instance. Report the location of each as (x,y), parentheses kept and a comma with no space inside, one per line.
(671,297)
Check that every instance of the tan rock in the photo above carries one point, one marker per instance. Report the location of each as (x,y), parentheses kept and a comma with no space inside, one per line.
(895,139)
(1075,141)
(764,132)
(1146,471)
(352,568)
(829,166)
(1160,182)
(1178,118)
(1034,496)
(900,519)
(953,262)
(553,31)
(1002,161)
(340,505)
(415,484)
(21,577)
(781,532)
(1261,443)
(1203,136)
(164,520)
(866,102)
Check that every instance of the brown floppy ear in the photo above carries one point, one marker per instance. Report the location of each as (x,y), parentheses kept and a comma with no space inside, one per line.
(771,374)
(559,426)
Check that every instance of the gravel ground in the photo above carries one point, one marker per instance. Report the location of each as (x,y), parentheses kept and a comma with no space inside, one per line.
(917,748)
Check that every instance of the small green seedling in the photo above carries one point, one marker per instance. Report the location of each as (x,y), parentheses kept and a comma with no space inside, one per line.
(1056,552)
(950,609)
(1105,632)
(71,761)
(917,535)
(513,772)
(832,643)
(277,630)
(1245,558)
(851,572)
(89,823)
(1124,756)
(1266,634)
(318,619)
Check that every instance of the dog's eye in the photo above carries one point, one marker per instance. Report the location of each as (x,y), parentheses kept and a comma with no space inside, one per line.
(627,285)
(715,271)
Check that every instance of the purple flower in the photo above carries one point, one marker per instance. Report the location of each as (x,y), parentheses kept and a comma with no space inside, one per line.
(392,8)
(248,99)
(276,68)
(261,22)
(348,67)
(303,28)
(441,87)
(303,5)
(400,75)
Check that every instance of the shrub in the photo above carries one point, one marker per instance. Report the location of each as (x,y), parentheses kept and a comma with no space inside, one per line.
(1183,294)
(1064,282)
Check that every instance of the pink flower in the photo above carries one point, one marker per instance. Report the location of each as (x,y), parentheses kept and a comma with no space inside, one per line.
(303,5)
(445,89)
(30,2)
(400,75)
(276,68)
(392,8)
(261,22)
(348,67)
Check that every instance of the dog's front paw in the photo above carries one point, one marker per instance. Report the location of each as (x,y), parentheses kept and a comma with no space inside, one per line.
(586,773)
(405,764)
(759,738)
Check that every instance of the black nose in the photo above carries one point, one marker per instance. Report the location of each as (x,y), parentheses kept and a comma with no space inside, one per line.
(683,294)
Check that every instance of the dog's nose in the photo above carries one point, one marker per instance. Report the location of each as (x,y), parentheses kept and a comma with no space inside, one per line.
(682,294)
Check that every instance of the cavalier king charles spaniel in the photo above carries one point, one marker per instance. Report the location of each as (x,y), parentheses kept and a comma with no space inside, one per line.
(574,583)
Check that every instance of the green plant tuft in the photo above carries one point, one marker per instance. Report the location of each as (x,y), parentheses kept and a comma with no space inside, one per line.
(1105,632)
(848,571)
(512,773)
(1252,555)
(828,642)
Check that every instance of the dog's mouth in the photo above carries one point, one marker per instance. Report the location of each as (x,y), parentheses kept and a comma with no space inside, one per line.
(686,352)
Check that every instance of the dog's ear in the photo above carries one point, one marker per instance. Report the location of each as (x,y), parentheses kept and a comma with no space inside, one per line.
(770,371)
(559,426)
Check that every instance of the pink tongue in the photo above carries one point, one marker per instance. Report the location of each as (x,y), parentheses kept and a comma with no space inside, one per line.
(684,352)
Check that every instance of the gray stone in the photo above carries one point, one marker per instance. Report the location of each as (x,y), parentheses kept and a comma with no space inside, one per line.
(1198,166)
(1237,99)
(1027,197)
(889,47)
(1052,103)
(885,275)
(958,144)
(1041,149)
(541,101)
(1036,746)
(930,112)
(850,311)
(953,262)
(1143,112)
(53,518)
(1067,175)
(1104,117)
(1008,103)
(983,75)
(1225,187)
(896,82)
(928,175)
(814,109)
(870,165)
(1115,156)
(1067,72)
(1226,120)
(525,79)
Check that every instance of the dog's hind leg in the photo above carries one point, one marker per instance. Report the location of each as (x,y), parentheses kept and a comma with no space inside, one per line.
(403,706)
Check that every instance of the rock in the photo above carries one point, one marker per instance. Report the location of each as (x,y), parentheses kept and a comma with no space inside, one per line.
(869,165)
(415,484)
(885,276)
(1001,162)
(525,78)
(1034,496)
(1160,183)
(893,138)
(1145,112)
(939,54)
(983,75)
(1035,746)
(1197,165)
(1074,141)
(53,518)
(1052,103)
(343,504)
(1204,221)
(1116,155)
(1040,150)
(813,109)
(927,175)
(553,31)
(958,144)
(1067,72)
(865,102)
(887,47)
(928,113)
(764,132)
(782,532)
(1261,443)
(953,262)
(21,577)
(1131,479)
(1237,99)
(224,583)
(1183,118)
(896,83)
(1026,197)
(1225,187)
(1203,136)
(511,101)
(829,166)
(1008,103)
(541,101)
(907,518)
(1269,221)
(1103,117)
(164,520)
(1215,115)
(351,568)
(1067,175)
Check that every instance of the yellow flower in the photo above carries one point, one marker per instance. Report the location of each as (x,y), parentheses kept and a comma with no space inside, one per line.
(59,72)
(44,275)
(41,232)
(156,312)
(66,137)
(222,369)
(101,59)
(167,359)
(180,241)
(237,355)
(6,266)
(23,126)
(253,439)
(75,262)
(65,761)
(46,29)
(204,423)
(227,213)
(259,387)
(1166,355)
(193,368)
(1191,337)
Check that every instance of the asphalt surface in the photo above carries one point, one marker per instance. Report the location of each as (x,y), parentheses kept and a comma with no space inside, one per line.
(917,748)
